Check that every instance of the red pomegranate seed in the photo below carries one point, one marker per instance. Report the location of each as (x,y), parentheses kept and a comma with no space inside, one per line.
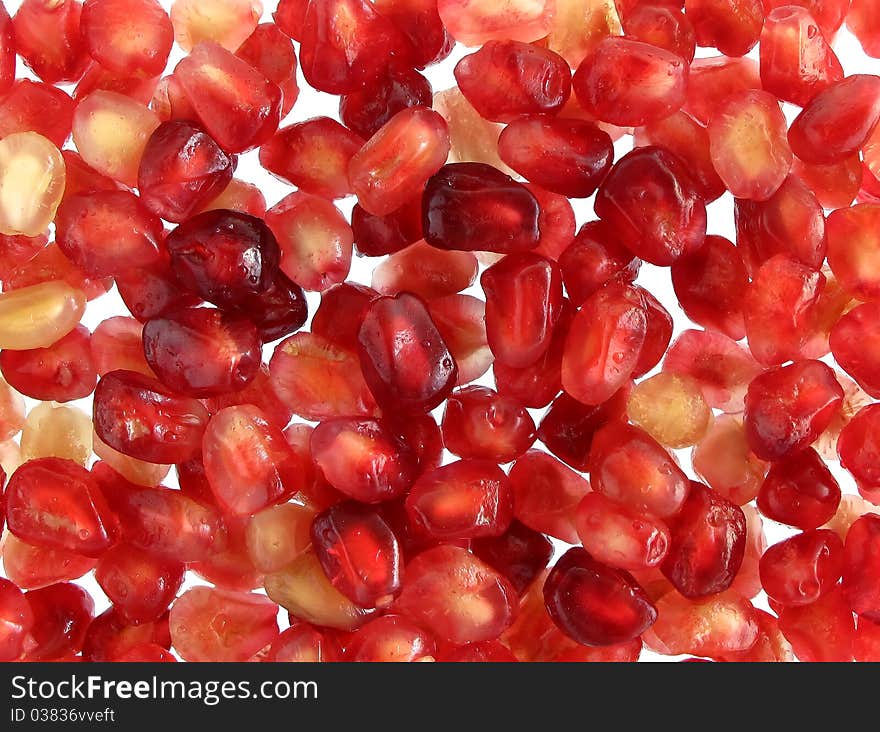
(618,536)
(368,109)
(425,271)
(390,639)
(823,631)
(461,321)
(594,258)
(98,78)
(209,624)
(711,80)
(109,637)
(546,494)
(479,423)
(420,23)
(141,586)
(837,121)
(507,79)
(31,566)
(485,652)
(604,343)
(303,643)
(859,571)
(48,39)
(269,51)
(7,51)
(475,207)
(799,570)
(473,23)
(400,158)
(829,14)
(404,359)
(375,236)
(456,596)
(463,500)
(341,312)
(628,83)
(854,249)
(595,604)
(62,372)
(800,491)
(859,449)
(238,106)
(31,106)
(731,26)
(359,553)
(55,503)
(61,616)
(650,202)
(16,621)
(117,344)
(202,352)
(661,25)
(862,23)
(313,156)
(142,418)
(521,554)
(153,290)
(855,343)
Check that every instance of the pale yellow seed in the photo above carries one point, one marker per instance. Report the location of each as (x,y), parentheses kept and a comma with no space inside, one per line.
(39,315)
(32,176)
(671,408)
(54,430)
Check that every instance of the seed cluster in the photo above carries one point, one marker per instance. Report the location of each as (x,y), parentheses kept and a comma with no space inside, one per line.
(321,474)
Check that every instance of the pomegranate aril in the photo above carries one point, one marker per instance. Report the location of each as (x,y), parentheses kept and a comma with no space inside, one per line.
(399,159)
(277,535)
(484,652)
(375,236)
(425,271)
(577,26)
(111,131)
(363,458)
(210,624)
(619,537)
(304,590)
(546,494)
(837,121)
(270,51)
(788,407)
(861,20)
(475,207)
(16,621)
(521,554)
(460,320)
(731,26)
(11,411)
(658,333)
(31,566)
(799,570)
(106,233)
(854,249)
(835,185)
(711,80)
(723,459)
(390,639)
(32,175)
(239,196)
(473,22)
(463,500)
(224,256)
(62,372)
(61,616)
(141,89)
(419,21)
(594,258)
(131,37)
(31,106)
(301,643)
(650,202)
(859,448)
(368,109)
(800,491)
(472,139)
(456,596)
(595,604)
(140,586)
(359,553)
(108,636)
(117,344)
(55,503)
(855,343)
(630,83)
(238,106)
(7,51)
(53,430)
(153,291)
(313,156)
(823,631)
(142,418)
(48,39)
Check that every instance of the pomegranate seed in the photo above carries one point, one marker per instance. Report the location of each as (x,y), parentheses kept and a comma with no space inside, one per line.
(31,106)
(11,411)
(142,418)
(390,639)
(595,604)
(485,652)
(140,586)
(48,39)
(240,196)
(855,343)
(649,201)
(269,51)
(800,491)
(368,109)
(57,431)
(731,26)
(854,249)
(686,138)
(829,14)
(419,21)
(460,320)
(131,37)
(17,621)
(110,132)
(462,500)
(303,643)
(61,616)
(823,631)
(224,256)
(799,570)
(379,235)
(788,407)
(277,535)
(32,174)
(472,139)
(630,83)
(359,553)
(238,106)
(98,78)
(835,184)
(861,21)
(363,458)
(521,554)
(658,333)
(663,27)
(455,205)
(109,637)
(55,503)
(153,291)
(546,494)
(578,25)
(31,566)
(62,372)
(619,537)
(714,626)
(474,23)
(210,624)
(711,80)
(425,271)
(117,344)
(227,22)
(723,459)
(456,596)
(594,258)
(837,121)
(7,52)
(313,156)
(858,447)
(304,590)
(400,158)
